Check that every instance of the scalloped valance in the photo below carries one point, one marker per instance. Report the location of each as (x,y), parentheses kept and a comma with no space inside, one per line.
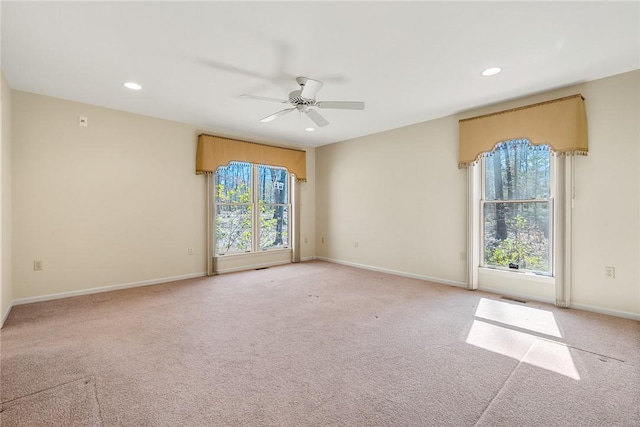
(560,123)
(215,151)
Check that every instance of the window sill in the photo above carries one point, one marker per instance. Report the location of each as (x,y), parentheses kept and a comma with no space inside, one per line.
(251,260)
(255,254)
(517,275)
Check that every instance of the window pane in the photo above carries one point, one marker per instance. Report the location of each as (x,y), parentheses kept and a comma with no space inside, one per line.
(273,185)
(517,233)
(233,229)
(517,171)
(274,226)
(233,183)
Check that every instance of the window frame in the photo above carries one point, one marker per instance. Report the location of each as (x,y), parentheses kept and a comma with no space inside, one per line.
(257,203)
(254,206)
(551,217)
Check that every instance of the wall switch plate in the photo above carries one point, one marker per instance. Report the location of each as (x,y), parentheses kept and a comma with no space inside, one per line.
(37,265)
(83,121)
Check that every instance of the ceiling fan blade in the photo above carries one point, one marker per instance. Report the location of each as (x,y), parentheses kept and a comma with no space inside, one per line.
(344,105)
(311,88)
(317,118)
(276,115)
(264,98)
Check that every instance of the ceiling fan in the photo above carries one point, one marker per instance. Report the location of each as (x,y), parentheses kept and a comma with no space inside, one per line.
(305,98)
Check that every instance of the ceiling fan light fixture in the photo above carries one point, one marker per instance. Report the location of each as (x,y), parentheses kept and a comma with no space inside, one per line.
(132,86)
(491,71)
(310,129)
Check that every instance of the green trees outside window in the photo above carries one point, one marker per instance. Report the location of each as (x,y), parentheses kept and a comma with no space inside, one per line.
(251,208)
(517,207)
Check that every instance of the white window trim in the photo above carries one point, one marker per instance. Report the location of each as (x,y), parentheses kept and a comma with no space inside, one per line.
(255,214)
(531,277)
(552,222)
(563,193)
(294,228)
(565,189)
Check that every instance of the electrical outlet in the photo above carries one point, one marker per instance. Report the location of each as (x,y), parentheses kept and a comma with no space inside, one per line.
(37,265)
(355,244)
(305,240)
(463,256)
(190,251)
(322,240)
(610,272)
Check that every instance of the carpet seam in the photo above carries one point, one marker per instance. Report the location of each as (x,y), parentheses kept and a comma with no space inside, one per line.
(505,382)
(43,390)
(545,337)
(586,351)
(370,350)
(95,394)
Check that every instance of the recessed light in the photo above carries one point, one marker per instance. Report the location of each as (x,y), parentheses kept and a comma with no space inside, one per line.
(310,129)
(132,86)
(491,71)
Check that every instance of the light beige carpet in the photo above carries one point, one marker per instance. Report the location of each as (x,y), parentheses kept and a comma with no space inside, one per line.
(315,344)
(72,404)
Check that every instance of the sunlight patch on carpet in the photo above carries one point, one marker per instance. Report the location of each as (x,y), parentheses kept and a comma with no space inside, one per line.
(532,319)
(552,356)
(500,340)
(527,348)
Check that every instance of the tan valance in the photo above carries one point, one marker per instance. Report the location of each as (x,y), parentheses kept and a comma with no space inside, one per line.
(215,151)
(560,123)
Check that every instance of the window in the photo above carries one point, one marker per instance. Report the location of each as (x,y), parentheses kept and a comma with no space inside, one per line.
(252,209)
(517,208)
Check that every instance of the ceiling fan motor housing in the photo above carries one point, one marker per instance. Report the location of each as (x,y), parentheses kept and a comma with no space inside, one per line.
(297,100)
(304,98)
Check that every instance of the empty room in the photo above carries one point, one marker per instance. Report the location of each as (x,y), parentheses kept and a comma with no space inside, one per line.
(327,213)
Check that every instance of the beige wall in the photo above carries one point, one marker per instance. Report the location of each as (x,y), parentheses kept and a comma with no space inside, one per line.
(5,201)
(419,227)
(114,203)
(118,202)
(607,206)
(400,195)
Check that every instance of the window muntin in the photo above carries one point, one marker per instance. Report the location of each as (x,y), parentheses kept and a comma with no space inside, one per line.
(517,208)
(252,210)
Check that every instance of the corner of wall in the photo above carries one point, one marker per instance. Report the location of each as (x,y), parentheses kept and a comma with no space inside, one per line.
(6,272)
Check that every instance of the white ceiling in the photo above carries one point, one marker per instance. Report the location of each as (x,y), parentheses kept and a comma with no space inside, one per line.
(409,61)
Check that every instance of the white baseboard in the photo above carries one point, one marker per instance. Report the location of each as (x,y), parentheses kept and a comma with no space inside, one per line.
(600,310)
(109,288)
(395,272)
(308,258)
(578,306)
(585,307)
(6,314)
